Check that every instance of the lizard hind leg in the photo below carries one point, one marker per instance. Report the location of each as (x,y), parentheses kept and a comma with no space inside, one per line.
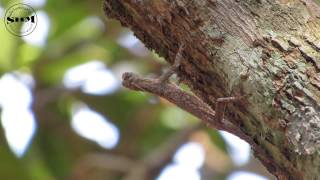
(221,105)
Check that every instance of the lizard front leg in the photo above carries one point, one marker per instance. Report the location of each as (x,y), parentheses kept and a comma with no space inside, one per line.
(173,69)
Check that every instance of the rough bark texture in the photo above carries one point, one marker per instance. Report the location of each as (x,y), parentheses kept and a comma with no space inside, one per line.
(276,41)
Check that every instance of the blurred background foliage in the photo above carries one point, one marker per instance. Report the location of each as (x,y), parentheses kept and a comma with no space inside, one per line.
(64,114)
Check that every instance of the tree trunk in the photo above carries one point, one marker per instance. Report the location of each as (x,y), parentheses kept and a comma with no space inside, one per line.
(268,49)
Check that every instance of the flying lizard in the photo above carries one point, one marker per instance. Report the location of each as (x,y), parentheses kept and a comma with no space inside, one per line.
(191,103)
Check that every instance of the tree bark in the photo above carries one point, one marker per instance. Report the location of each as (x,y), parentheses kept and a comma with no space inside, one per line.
(275,43)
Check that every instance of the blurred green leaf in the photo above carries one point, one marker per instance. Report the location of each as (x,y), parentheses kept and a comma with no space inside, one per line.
(217,139)
(11,167)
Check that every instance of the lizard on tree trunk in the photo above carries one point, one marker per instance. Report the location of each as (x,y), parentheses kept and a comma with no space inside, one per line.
(276,41)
